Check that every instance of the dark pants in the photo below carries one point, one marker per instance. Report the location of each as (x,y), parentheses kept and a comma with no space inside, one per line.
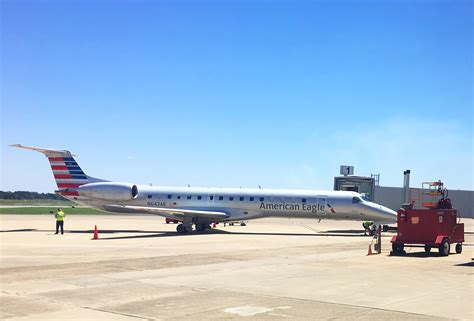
(60,224)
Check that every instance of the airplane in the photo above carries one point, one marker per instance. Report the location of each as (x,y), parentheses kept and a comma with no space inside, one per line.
(201,206)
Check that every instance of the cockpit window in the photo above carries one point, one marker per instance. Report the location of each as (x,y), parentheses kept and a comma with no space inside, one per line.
(356,200)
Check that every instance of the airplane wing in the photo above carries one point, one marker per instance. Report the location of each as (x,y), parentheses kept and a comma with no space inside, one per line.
(168,211)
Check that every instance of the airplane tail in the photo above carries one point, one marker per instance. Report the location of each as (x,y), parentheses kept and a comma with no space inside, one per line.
(66,171)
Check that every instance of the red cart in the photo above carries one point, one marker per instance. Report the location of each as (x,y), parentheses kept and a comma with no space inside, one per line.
(428,228)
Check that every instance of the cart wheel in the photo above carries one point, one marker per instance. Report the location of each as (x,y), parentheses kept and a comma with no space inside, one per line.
(397,247)
(458,248)
(444,248)
(427,248)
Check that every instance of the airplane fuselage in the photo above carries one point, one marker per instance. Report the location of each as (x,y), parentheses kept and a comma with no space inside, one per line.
(245,204)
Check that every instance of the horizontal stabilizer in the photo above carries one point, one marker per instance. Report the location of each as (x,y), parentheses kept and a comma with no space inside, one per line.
(167,211)
(47,152)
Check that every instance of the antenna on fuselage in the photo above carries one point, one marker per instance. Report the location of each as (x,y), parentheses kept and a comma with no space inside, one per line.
(189,185)
(259,187)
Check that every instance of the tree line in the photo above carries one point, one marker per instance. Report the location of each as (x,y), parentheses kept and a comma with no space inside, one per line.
(24,195)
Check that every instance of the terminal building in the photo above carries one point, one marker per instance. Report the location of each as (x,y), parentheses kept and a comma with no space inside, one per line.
(395,197)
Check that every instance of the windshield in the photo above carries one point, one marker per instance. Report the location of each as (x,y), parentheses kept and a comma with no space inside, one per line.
(356,200)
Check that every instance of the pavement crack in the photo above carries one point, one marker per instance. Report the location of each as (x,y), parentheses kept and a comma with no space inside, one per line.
(122,314)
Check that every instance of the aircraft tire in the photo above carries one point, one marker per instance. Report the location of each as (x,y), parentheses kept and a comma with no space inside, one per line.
(201,227)
(181,229)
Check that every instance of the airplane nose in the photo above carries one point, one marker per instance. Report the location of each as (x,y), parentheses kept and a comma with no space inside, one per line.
(390,215)
(381,213)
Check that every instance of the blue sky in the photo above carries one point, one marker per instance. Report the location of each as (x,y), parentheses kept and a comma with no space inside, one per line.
(238,93)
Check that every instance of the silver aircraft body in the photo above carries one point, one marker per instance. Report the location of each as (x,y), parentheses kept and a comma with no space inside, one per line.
(200,206)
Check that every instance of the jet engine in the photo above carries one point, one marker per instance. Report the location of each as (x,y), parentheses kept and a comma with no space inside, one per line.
(109,191)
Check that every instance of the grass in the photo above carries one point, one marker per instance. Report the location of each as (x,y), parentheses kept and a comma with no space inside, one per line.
(46,210)
(36,202)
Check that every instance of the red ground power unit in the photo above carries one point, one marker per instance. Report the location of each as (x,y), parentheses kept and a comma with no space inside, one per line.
(428,228)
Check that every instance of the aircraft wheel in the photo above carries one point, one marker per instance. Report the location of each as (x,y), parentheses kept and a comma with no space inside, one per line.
(200,227)
(458,248)
(444,248)
(427,248)
(181,229)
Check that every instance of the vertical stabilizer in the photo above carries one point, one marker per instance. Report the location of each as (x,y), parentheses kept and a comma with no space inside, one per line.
(67,173)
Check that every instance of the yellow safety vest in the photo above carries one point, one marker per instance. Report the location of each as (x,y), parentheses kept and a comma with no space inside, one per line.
(60,216)
(367,224)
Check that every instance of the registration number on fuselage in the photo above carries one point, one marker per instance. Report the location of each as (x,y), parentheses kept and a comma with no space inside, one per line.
(156,203)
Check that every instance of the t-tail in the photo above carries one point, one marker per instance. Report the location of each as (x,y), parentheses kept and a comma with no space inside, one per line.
(67,173)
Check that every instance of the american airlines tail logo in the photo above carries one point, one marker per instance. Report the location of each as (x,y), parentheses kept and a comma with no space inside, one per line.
(67,174)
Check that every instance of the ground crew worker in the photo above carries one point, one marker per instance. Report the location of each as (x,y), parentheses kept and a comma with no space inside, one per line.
(367,225)
(60,220)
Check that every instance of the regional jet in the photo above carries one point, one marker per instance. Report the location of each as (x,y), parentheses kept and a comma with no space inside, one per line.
(198,207)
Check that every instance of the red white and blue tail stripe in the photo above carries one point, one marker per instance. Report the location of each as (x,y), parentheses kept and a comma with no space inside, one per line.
(67,174)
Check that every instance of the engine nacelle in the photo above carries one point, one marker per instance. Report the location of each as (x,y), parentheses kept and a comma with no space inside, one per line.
(109,191)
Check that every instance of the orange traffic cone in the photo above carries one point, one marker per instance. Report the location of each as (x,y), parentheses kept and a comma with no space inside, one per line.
(370,250)
(96,234)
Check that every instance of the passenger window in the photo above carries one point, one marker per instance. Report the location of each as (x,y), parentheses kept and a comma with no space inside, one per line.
(251,199)
(199,197)
(149,195)
(221,198)
(211,197)
(169,197)
(303,200)
(231,198)
(241,198)
(262,199)
(189,197)
(179,197)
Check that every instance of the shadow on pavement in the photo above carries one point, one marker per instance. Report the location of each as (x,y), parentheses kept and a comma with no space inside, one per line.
(19,230)
(149,233)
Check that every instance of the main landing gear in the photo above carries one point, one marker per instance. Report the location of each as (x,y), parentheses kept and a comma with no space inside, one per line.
(200,227)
